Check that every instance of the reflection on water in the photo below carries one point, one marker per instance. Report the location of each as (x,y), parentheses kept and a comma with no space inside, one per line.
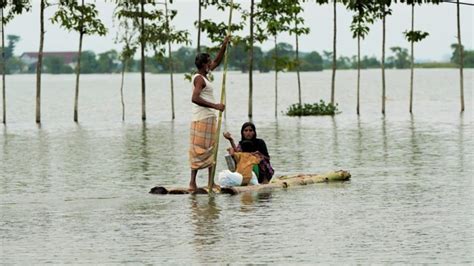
(83,187)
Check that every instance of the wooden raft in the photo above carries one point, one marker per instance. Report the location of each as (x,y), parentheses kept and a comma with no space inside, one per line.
(278,182)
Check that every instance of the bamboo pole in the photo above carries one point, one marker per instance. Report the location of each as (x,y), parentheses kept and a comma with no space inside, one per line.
(219,122)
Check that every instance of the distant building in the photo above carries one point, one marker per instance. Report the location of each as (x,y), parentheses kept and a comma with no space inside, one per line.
(30,58)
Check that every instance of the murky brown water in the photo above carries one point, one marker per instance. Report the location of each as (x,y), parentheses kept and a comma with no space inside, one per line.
(78,193)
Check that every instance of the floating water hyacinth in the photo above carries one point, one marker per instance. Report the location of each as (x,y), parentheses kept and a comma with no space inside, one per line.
(307,109)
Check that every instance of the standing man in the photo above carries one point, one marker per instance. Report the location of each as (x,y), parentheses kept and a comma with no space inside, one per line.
(203,122)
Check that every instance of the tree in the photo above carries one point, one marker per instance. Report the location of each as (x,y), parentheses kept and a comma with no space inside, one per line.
(88,62)
(334,61)
(55,65)
(172,36)
(107,62)
(39,64)
(413,36)
(295,9)
(401,59)
(312,62)
(383,10)
(273,18)
(82,19)
(461,61)
(10,9)
(360,29)
(136,11)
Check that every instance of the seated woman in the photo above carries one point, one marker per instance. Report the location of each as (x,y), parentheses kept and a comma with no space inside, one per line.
(248,132)
(245,161)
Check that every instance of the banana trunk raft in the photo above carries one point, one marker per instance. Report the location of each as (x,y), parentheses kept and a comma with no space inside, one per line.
(285,181)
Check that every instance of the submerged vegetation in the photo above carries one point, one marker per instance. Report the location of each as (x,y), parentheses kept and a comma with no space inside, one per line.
(308,109)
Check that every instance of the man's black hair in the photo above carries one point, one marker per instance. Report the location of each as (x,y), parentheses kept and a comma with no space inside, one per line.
(201,59)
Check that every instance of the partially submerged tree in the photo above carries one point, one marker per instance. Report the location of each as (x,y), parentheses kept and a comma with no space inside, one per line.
(413,36)
(39,63)
(273,19)
(461,49)
(295,8)
(83,19)
(126,36)
(146,18)
(360,29)
(382,11)
(8,10)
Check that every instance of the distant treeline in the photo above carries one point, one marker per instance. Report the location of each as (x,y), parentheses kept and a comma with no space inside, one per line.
(183,61)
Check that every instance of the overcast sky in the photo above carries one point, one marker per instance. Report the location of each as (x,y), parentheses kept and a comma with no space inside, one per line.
(438,20)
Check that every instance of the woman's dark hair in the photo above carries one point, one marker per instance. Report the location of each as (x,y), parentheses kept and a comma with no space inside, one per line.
(248,124)
(259,144)
(247,146)
(201,59)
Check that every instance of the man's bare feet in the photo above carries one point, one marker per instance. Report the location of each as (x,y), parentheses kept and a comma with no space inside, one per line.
(192,187)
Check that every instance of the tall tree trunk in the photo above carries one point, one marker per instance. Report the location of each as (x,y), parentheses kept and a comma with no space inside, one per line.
(251,61)
(124,66)
(276,77)
(199,28)
(4,101)
(170,59)
(411,58)
(461,59)
(383,62)
(358,75)
(78,73)
(39,64)
(298,64)
(142,50)
(334,60)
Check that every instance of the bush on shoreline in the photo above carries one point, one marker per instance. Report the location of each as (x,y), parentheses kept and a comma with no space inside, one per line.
(307,109)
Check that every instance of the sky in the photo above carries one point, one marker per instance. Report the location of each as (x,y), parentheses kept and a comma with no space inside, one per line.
(438,20)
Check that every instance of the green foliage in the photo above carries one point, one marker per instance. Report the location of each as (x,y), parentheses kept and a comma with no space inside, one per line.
(88,62)
(415,35)
(365,12)
(12,40)
(107,62)
(307,109)
(155,32)
(80,18)
(12,8)
(215,31)
(468,56)
(400,60)
(55,65)
(12,63)
(311,62)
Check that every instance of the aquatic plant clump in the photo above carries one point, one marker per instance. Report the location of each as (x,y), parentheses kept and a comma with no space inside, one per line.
(307,109)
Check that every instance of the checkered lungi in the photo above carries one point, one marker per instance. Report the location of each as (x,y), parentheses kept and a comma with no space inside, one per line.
(202,140)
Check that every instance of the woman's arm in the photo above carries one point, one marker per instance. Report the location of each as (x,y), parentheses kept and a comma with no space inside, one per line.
(228,136)
(220,55)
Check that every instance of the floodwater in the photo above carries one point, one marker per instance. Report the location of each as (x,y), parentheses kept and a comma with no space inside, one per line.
(78,193)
